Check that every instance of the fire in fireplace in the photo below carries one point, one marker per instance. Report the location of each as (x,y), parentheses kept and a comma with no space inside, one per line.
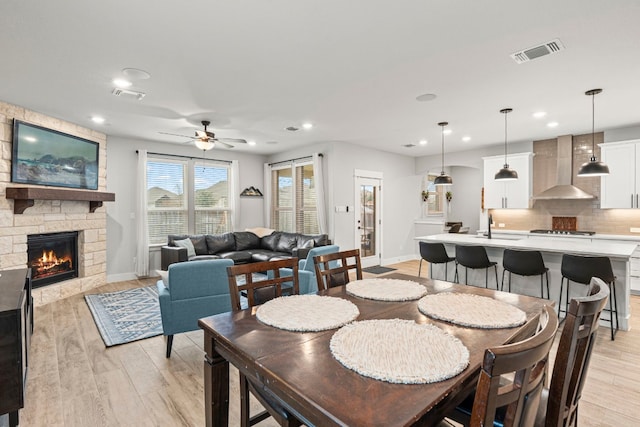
(52,257)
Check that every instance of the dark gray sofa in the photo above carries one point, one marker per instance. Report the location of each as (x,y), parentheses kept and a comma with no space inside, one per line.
(241,247)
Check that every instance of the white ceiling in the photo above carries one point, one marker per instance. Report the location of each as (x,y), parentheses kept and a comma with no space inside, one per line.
(351,67)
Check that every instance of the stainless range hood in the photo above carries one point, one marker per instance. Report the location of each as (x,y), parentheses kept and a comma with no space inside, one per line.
(563,190)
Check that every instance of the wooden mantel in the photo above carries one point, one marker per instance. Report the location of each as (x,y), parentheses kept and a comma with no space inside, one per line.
(24,197)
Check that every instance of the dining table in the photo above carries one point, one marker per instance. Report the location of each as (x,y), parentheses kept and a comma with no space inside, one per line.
(300,372)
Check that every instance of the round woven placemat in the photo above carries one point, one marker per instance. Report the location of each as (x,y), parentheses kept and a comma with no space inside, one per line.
(399,351)
(386,289)
(307,313)
(471,310)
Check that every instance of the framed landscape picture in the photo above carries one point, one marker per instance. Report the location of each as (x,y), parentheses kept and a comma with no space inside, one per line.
(47,157)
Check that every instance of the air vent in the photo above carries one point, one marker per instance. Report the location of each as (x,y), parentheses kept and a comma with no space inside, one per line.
(126,93)
(534,52)
(291,128)
(409,145)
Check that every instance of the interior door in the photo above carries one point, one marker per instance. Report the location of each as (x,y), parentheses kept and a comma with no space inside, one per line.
(368,220)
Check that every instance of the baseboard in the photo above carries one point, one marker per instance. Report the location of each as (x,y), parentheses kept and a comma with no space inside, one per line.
(403,258)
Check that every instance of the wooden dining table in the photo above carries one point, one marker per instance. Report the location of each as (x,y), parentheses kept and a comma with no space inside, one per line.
(298,369)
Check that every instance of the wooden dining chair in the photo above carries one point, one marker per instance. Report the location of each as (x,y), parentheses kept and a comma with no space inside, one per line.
(512,379)
(270,285)
(559,404)
(333,269)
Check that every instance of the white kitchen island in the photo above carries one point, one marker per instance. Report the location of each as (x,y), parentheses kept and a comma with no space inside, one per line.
(552,249)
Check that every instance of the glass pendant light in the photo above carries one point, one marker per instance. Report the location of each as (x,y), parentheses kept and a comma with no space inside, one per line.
(506,174)
(593,167)
(443,178)
(205,144)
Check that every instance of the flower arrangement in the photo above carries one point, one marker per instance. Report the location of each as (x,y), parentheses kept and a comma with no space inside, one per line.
(425,195)
(449,196)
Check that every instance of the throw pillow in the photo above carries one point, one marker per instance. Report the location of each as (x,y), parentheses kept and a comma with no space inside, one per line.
(164,276)
(260,231)
(186,243)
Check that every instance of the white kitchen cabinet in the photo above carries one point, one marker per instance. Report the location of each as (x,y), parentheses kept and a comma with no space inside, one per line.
(508,194)
(621,187)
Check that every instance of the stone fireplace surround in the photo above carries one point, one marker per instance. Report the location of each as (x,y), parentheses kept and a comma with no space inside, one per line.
(52,216)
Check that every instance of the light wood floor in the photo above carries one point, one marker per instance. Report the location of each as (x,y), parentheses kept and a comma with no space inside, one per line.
(74,381)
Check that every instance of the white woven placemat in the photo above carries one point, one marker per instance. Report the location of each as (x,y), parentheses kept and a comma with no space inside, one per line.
(471,310)
(386,289)
(307,313)
(399,351)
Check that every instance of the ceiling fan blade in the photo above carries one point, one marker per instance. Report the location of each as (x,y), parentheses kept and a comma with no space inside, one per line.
(234,140)
(175,134)
(224,144)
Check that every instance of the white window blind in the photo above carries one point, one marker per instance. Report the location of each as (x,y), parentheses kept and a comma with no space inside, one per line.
(294,198)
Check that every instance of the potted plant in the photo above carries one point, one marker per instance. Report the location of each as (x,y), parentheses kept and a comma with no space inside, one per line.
(449,196)
(425,195)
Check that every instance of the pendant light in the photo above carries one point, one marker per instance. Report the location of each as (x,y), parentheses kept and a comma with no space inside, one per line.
(593,167)
(443,179)
(506,174)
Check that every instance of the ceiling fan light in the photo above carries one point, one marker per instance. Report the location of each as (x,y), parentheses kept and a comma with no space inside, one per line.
(593,168)
(506,174)
(443,179)
(205,145)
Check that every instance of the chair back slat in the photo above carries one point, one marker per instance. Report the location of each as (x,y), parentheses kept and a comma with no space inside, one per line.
(573,355)
(258,292)
(333,269)
(512,377)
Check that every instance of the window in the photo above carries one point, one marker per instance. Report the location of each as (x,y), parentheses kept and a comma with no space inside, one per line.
(187,196)
(293,206)
(436,196)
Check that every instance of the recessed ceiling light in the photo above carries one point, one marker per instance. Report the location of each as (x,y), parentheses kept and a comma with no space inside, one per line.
(423,142)
(552,124)
(251,143)
(426,97)
(307,126)
(122,83)
(539,114)
(447,131)
(97,119)
(466,138)
(136,74)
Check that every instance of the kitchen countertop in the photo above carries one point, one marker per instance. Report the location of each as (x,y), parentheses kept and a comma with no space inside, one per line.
(555,244)
(561,236)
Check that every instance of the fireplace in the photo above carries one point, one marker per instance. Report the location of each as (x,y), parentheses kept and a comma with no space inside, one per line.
(52,257)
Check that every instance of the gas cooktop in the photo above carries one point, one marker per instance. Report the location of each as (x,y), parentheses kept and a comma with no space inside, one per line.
(565,232)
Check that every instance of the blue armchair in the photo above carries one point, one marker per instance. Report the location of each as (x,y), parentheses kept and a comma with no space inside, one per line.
(307,271)
(194,290)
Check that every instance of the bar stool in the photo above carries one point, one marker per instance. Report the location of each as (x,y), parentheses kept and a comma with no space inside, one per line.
(581,269)
(525,263)
(435,253)
(475,257)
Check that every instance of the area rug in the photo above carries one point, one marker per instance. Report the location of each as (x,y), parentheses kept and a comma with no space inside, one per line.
(378,269)
(126,316)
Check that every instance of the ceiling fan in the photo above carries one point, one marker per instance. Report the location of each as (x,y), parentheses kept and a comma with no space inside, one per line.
(206,140)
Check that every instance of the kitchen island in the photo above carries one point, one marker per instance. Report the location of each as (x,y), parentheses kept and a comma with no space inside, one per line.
(552,249)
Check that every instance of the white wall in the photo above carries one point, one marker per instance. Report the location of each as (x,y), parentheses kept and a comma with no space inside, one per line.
(121,172)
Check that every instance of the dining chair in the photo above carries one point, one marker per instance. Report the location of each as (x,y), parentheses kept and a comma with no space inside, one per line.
(474,257)
(559,403)
(525,263)
(580,269)
(333,269)
(512,378)
(435,253)
(241,281)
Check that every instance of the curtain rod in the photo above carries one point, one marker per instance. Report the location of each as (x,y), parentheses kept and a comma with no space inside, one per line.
(293,160)
(188,157)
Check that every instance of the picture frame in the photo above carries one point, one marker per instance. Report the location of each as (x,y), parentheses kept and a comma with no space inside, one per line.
(49,157)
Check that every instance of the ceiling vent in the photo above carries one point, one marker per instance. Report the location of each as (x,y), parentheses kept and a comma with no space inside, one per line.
(126,93)
(409,145)
(526,55)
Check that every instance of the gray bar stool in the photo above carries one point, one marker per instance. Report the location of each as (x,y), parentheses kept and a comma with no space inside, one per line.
(435,253)
(475,257)
(525,263)
(580,269)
